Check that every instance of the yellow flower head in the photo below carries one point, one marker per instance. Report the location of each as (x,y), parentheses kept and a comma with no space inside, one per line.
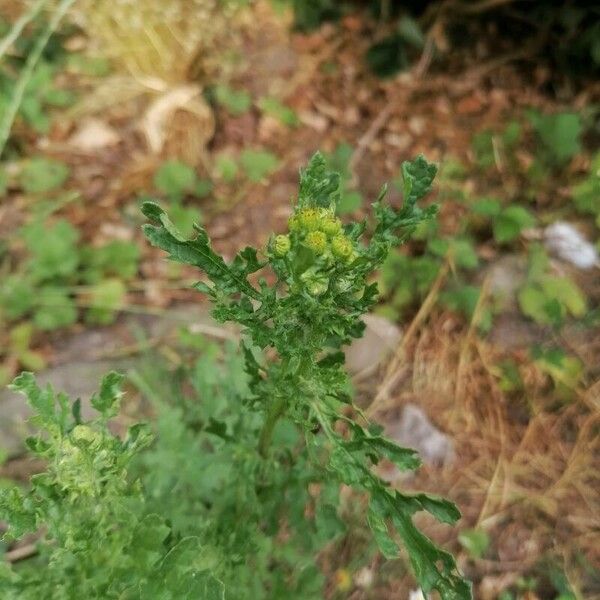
(316,241)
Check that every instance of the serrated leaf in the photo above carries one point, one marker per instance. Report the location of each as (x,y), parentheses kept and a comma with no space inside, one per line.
(417,176)
(196,252)
(378,526)
(318,185)
(105,401)
(41,401)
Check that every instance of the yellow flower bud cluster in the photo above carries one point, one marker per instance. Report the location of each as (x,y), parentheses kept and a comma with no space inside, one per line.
(321,231)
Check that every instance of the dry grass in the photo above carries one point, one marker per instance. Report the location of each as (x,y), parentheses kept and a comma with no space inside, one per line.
(169,41)
(527,466)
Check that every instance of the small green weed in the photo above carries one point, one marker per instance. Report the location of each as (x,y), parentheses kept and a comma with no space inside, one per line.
(284,114)
(258,164)
(58,275)
(547,298)
(237,102)
(558,136)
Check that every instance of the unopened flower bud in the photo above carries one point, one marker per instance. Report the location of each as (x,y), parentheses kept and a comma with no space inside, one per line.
(331,226)
(281,245)
(341,247)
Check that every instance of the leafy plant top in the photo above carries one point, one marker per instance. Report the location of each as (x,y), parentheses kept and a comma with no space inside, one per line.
(322,270)
(98,540)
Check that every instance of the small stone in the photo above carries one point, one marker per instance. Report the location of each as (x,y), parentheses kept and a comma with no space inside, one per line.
(564,241)
(416,125)
(402,141)
(414,430)
(381,337)
(92,135)
(314,120)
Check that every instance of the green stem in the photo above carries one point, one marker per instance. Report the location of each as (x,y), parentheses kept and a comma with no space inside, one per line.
(19,25)
(273,414)
(32,60)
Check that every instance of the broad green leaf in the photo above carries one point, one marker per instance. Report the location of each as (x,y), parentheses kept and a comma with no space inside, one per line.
(105,297)
(54,308)
(257,164)
(510,222)
(567,293)
(227,167)
(488,207)
(534,303)
(41,175)
(175,179)
(237,102)
(559,135)
(474,541)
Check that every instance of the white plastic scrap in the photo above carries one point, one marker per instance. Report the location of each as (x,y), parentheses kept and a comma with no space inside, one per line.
(416,595)
(565,241)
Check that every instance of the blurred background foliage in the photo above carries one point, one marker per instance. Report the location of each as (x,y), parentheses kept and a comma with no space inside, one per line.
(210,107)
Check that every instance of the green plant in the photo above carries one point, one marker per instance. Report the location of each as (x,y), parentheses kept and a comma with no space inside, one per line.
(391,54)
(237,102)
(257,164)
(586,193)
(507,222)
(45,285)
(405,280)
(314,308)
(27,92)
(558,136)
(98,540)
(268,452)
(547,298)
(474,541)
(41,175)
(565,371)
(488,147)
(284,114)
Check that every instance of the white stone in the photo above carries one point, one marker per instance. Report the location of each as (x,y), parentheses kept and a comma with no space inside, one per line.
(566,242)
